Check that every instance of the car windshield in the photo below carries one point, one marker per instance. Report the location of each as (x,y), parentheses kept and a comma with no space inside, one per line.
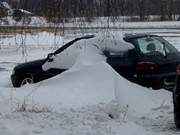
(64,47)
(155,46)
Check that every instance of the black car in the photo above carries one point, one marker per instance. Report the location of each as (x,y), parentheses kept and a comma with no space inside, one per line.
(152,62)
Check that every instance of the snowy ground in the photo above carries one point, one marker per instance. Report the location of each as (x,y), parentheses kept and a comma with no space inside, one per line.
(97,22)
(94,100)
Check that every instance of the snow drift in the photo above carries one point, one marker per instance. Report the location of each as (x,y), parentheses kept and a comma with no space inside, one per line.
(91,81)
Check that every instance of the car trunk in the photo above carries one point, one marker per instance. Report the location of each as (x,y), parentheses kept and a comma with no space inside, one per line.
(165,64)
(158,69)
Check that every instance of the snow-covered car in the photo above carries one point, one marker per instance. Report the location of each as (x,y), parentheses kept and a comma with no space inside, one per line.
(146,59)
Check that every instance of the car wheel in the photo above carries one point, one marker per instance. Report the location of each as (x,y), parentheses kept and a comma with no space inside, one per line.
(27,79)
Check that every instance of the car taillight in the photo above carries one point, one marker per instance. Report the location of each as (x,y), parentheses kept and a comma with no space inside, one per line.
(178,69)
(147,66)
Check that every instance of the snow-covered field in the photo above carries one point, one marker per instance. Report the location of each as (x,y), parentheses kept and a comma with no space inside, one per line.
(89,99)
(96,22)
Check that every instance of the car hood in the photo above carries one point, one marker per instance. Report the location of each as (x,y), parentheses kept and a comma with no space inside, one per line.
(32,65)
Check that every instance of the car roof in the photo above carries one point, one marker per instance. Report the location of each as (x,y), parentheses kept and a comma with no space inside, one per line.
(113,43)
(128,36)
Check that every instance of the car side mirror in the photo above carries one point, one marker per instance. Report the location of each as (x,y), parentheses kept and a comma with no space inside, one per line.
(50,57)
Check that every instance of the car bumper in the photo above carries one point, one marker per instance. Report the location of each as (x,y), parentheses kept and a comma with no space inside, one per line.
(159,76)
(158,81)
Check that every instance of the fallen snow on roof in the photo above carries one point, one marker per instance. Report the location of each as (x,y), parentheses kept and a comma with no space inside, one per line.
(111,42)
(88,47)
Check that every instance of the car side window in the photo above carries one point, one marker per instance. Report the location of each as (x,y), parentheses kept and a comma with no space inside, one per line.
(149,45)
(170,49)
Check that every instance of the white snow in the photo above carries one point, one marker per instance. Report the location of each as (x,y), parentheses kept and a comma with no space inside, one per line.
(93,47)
(43,39)
(97,22)
(90,98)
(80,101)
(6,5)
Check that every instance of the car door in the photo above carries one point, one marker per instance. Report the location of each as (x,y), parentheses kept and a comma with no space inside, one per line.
(123,62)
(155,58)
(51,72)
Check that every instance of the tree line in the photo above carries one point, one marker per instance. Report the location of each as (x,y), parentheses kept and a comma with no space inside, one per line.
(55,10)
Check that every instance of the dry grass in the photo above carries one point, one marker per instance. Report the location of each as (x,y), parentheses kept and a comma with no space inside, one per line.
(32,108)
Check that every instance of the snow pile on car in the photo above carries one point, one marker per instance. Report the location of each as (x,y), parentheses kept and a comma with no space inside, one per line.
(90,81)
(93,47)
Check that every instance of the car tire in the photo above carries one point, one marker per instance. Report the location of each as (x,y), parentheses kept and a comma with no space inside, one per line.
(27,79)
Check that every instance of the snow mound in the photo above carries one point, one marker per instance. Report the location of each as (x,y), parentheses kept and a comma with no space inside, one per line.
(89,98)
(137,99)
(91,81)
(92,85)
